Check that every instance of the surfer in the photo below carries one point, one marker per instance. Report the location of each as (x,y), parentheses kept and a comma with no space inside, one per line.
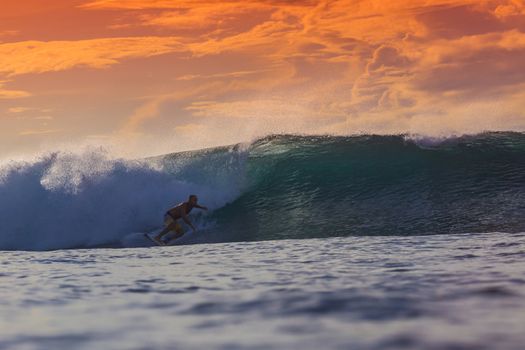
(177,212)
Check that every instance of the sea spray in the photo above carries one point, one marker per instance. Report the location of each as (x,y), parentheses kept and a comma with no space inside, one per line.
(66,200)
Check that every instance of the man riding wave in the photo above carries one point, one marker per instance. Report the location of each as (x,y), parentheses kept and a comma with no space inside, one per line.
(180,211)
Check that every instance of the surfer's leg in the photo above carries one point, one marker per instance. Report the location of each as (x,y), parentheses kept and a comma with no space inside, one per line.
(169,224)
(162,233)
(179,232)
(170,227)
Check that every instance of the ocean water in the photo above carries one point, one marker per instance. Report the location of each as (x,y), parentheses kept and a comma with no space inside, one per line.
(361,242)
(464,291)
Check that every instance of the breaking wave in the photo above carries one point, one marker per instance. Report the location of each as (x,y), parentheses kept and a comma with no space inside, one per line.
(278,187)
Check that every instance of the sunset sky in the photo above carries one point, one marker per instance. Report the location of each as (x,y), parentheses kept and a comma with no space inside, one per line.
(150,77)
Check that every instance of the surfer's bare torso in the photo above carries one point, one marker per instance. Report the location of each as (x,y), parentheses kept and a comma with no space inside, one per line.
(180,210)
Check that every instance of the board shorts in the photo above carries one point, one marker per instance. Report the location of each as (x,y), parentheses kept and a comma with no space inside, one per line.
(168,220)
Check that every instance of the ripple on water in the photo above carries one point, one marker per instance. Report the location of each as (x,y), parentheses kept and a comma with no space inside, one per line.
(357,293)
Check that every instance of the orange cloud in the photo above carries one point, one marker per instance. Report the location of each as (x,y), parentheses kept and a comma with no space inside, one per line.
(19,109)
(150,109)
(11,94)
(510,8)
(387,47)
(130,4)
(8,33)
(38,132)
(214,18)
(238,74)
(38,57)
(475,65)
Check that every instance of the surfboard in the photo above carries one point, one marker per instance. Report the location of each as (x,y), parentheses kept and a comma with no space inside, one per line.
(148,236)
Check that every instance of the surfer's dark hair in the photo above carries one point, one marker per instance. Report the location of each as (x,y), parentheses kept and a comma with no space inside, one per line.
(192,196)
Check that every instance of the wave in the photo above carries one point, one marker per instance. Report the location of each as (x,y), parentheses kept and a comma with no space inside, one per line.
(87,200)
(278,187)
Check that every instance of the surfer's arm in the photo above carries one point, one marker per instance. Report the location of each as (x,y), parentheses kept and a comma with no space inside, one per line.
(201,207)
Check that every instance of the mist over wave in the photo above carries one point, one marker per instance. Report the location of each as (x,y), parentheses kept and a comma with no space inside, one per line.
(277,187)
(69,200)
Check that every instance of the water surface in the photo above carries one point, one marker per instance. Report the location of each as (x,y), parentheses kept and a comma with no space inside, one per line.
(464,291)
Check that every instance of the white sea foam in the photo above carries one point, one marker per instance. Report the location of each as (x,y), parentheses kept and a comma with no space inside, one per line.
(87,199)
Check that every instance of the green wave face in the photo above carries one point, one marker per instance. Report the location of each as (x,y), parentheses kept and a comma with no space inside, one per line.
(302,187)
